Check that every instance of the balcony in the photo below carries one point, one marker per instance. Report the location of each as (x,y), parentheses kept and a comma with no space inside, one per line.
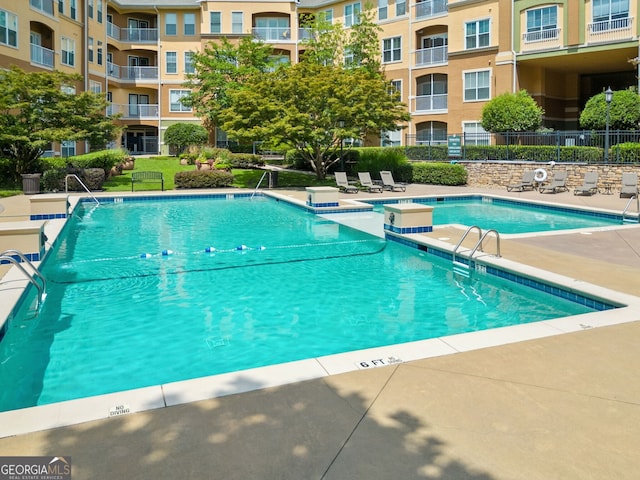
(134,111)
(42,56)
(132,35)
(272,34)
(430,8)
(432,56)
(431,103)
(541,39)
(610,30)
(127,73)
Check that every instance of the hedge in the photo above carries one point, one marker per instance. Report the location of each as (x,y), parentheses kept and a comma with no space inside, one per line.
(438,173)
(203,179)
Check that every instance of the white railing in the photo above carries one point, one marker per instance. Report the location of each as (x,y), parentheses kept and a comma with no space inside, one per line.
(542,39)
(610,30)
(45,6)
(432,56)
(42,56)
(429,8)
(132,73)
(132,35)
(272,34)
(429,103)
(133,110)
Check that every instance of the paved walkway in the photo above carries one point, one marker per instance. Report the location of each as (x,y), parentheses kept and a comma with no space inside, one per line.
(561,407)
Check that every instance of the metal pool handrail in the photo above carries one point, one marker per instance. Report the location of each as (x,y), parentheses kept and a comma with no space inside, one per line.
(259,182)
(66,186)
(480,237)
(479,244)
(6,255)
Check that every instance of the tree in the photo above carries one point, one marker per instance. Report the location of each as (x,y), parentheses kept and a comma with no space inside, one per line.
(182,135)
(39,108)
(220,69)
(624,111)
(512,112)
(313,108)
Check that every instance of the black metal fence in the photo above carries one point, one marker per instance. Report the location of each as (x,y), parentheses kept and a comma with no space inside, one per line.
(588,146)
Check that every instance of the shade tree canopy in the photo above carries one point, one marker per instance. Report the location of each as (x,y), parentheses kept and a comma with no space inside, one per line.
(624,111)
(183,135)
(512,112)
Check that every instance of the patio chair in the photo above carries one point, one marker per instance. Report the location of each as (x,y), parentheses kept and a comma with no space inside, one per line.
(367,184)
(388,183)
(629,184)
(525,184)
(343,183)
(589,185)
(558,183)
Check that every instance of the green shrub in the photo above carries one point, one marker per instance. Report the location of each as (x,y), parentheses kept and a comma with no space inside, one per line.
(376,159)
(7,172)
(426,152)
(190,157)
(438,173)
(206,153)
(203,179)
(53,179)
(244,160)
(104,159)
(625,152)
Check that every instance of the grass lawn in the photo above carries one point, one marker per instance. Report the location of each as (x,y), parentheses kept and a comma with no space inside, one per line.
(241,178)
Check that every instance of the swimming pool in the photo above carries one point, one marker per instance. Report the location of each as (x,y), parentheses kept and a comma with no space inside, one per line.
(145,292)
(507,216)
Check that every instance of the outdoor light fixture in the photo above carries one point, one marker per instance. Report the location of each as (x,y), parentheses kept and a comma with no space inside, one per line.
(608,97)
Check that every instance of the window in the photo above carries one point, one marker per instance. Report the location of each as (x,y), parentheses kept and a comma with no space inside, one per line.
(45,6)
(90,8)
(327,16)
(477,34)
(237,22)
(351,14)
(90,49)
(474,134)
(609,14)
(188,62)
(391,49)
(542,19)
(95,87)
(68,148)
(215,22)
(170,24)
(68,51)
(8,29)
(391,138)
(100,8)
(401,7)
(73,8)
(273,28)
(349,58)
(99,52)
(172,62)
(476,85)
(175,100)
(60,6)
(383,7)
(396,86)
(189,24)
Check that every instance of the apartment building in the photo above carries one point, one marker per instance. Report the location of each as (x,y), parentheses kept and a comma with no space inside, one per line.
(447,58)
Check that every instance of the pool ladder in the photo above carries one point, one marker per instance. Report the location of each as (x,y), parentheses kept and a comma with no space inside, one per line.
(8,255)
(259,183)
(627,217)
(462,267)
(77,179)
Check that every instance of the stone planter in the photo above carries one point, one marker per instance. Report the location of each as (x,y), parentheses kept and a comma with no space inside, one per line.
(129,163)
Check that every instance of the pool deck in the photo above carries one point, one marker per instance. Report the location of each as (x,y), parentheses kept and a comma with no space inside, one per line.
(559,407)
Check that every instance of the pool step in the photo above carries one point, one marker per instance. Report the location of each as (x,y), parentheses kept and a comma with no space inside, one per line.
(461,269)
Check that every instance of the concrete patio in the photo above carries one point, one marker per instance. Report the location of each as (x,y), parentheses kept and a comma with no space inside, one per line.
(560,407)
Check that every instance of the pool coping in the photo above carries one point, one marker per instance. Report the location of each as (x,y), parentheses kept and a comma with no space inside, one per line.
(76,411)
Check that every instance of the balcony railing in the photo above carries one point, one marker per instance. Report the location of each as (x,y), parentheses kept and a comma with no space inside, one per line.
(541,39)
(132,73)
(272,34)
(305,34)
(42,56)
(132,110)
(430,103)
(132,35)
(610,30)
(432,56)
(429,8)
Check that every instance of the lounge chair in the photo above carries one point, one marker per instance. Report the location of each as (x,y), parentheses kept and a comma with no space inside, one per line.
(343,183)
(629,185)
(367,184)
(525,184)
(589,185)
(389,184)
(558,183)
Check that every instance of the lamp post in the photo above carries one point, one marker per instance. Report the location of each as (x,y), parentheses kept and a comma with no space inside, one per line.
(608,96)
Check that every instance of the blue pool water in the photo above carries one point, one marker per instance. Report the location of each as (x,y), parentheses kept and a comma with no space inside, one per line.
(279,284)
(510,216)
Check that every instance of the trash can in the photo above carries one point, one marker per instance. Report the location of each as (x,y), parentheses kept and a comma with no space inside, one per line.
(31,183)
(273,179)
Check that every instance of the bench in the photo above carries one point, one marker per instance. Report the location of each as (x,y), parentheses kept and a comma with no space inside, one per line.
(147,177)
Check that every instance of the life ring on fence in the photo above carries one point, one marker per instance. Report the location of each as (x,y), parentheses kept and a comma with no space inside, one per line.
(540,175)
